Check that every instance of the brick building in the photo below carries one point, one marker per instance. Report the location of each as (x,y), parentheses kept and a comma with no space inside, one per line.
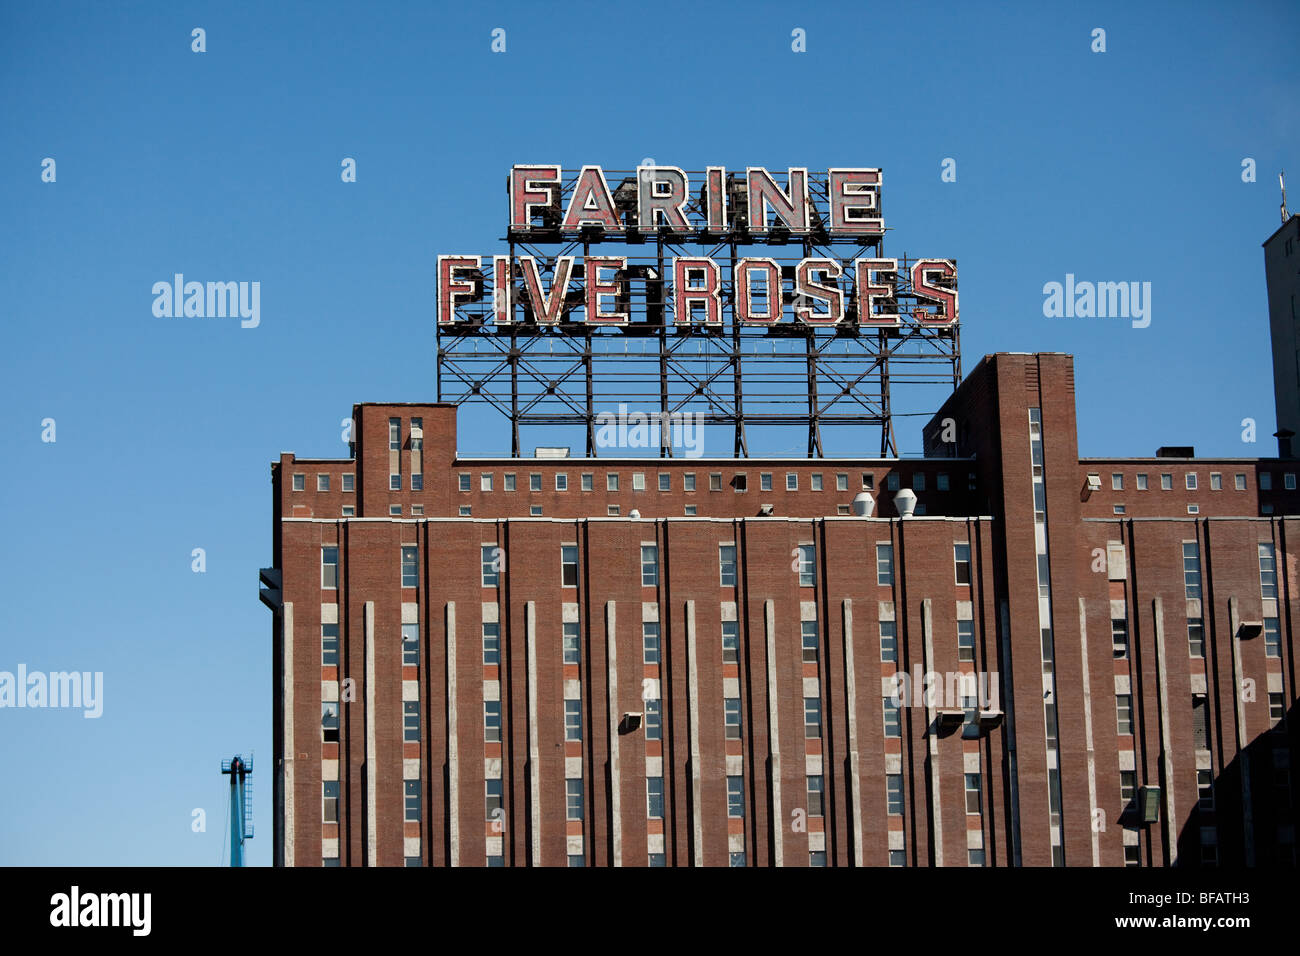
(644,661)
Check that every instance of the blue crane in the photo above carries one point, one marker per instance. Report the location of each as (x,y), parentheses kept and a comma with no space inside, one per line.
(241,805)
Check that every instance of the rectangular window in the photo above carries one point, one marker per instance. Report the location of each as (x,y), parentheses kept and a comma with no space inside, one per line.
(491,642)
(816,482)
(1205,789)
(588,481)
(730,642)
(561,482)
(941,481)
(650,642)
(1119,637)
(490,557)
(898,858)
(1192,570)
(1127,785)
(893,726)
(731,717)
(1267,570)
(349,511)
(410,560)
(665,482)
(329,722)
(329,645)
(1239,482)
(485,482)
(1265,481)
(889,642)
(1272,637)
(330,799)
(737,859)
(1190,479)
(649,565)
(534,481)
(764,481)
(299,482)
(690,511)
(493,801)
(492,721)
(1141,482)
(612,510)
(658,859)
(569,566)
(1288,481)
(973,793)
(654,798)
(885,565)
(417,482)
(322,482)
(808,635)
(816,803)
(791,481)
(894,794)
(570,641)
(961,560)
(1132,854)
(611,481)
(412,793)
(1276,708)
(965,640)
(394,434)
(812,718)
(1216,481)
(975,857)
(688,482)
(653,720)
(417,509)
(816,857)
(1166,482)
(395,509)
(463,482)
(727,565)
(841,482)
(1201,721)
(573,798)
(715,481)
(411,721)
(508,481)
(1124,714)
(464,511)
(735,796)
(349,482)
(410,645)
(573,720)
(918,481)
(1196,637)
(638,481)
(807,566)
(1117,482)
(329,568)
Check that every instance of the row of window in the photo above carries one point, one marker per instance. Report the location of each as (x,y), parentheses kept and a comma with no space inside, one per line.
(739,481)
(1191,481)
(323,482)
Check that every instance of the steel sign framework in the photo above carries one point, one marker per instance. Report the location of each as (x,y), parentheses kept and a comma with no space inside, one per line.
(725,312)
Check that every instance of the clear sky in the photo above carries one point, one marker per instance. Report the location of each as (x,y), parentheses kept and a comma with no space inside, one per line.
(225,165)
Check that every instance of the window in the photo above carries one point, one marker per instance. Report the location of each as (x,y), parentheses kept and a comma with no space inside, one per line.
(1276,708)
(394,434)
(485,482)
(411,721)
(816,482)
(329,568)
(690,511)
(961,559)
(807,566)
(1119,637)
(731,717)
(1288,481)
(941,481)
(350,511)
(975,856)
(740,483)
(330,801)
(412,791)
(322,482)
(894,794)
(464,511)
(491,564)
(973,793)
(573,720)
(1196,637)
(812,718)
(765,481)
(570,641)
(1216,481)
(1193,509)
(727,565)
(649,565)
(1119,510)
(653,719)
(491,642)
(409,562)
(791,481)
(1265,481)
(1192,570)
(329,645)
(1045,641)
(395,510)
(658,859)
(893,726)
(815,801)
(417,509)
(612,511)
(587,482)
(885,565)
(1141,482)
(737,859)
(573,798)
(808,635)
(1190,479)
(611,481)
(1124,714)
(841,482)
(464,482)
(688,482)
(329,722)
(1127,785)
(1205,789)
(889,642)
(1201,721)
(1166,482)
(654,799)
(493,789)
(650,642)
(410,645)
(492,721)
(1267,570)
(816,857)
(417,482)
(569,566)
(715,481)
(535,481)
(1239,482)
(1272,637)
(730,641)
(965,640)
(1132,855)
(508,481)
(299,482)
(665,482)
(1117,482)
(918,481)
(898,858)
(735,796)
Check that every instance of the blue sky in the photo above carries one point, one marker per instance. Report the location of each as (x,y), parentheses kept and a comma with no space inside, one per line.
(1115,166)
